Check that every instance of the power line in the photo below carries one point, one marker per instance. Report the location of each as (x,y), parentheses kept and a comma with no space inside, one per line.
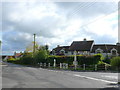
(81,6)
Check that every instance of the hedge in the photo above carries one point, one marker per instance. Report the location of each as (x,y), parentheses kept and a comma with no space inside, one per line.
(88,60)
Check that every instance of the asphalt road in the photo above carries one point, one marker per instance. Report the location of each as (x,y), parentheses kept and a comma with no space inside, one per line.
(16,76)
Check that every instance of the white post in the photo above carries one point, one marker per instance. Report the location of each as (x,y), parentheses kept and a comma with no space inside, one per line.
(75,60)
(83,66)
(60,65)
(66,66)
(40,64)
(105,67)
(48,64)
(44,64)
(96,67)
(54,63)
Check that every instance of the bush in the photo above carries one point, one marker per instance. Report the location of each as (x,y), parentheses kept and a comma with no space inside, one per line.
(106,59)
(40,56)
(115,61)
(27,59)
(11,59)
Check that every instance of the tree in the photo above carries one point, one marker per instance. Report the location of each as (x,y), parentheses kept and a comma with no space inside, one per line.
(29,48)
(41,55)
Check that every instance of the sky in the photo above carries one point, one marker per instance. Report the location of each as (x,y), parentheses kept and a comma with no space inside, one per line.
(57,23)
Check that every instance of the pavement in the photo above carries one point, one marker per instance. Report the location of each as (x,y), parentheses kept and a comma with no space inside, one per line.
(18,76)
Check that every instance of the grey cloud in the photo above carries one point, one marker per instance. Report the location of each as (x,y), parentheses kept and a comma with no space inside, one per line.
(15,41)
(46,26)
(88,9)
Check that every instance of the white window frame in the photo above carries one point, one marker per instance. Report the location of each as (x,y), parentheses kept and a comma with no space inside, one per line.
(101,51)
(113,50)
(62,50)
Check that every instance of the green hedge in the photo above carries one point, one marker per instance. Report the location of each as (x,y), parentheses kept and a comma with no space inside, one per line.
(29,59)
(88,60)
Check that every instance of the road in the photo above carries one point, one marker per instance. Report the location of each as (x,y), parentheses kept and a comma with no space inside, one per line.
(16,76)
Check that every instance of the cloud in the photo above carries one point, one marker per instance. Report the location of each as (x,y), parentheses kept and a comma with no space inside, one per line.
(56,23)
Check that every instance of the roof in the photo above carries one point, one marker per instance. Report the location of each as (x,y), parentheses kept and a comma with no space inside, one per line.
(105,47)
(57,49)
(81,45)
(18,54)
(118,48)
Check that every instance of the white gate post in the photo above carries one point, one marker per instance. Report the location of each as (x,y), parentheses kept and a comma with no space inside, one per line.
(83,66)
(66,66)
(48,64)
(60,65)
(96,67)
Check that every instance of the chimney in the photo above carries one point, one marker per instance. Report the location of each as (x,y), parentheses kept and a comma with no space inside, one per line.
(118,44)
(84,39)
(15,53)
(58,45)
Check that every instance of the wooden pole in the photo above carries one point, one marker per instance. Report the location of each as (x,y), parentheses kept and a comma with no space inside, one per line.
(34,44)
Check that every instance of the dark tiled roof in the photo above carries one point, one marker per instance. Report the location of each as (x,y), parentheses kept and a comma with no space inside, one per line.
(105,47)
(57,49)
(81,45)
(118,48)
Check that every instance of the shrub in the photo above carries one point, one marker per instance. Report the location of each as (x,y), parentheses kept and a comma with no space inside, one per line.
(115,61)
(11,59)
(106,59)
(40,56)
(27,59)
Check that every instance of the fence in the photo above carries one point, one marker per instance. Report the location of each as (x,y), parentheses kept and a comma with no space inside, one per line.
(79,67)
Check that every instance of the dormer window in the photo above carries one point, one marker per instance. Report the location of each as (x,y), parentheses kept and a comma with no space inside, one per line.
(53,52)
(62,51)
(114,52)
(98,50)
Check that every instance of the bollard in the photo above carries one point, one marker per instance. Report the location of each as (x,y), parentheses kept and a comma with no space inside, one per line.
(105,67)
(44,64)
(40,64)
(54,65)
(48,64)
(63,65)
(96,67)
(66,66)
(83,66)
(60,65)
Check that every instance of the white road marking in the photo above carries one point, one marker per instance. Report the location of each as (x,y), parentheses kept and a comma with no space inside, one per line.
(86,77)
(95,79)
(114,77)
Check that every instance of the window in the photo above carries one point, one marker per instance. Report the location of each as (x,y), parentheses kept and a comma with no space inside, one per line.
(99,50)
(53,52)
(114,52)
(85,52)
(62,51)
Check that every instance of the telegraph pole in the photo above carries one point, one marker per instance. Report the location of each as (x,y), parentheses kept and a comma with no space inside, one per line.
(34,44)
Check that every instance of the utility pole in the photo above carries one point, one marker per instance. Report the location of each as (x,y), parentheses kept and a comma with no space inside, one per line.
(34,44)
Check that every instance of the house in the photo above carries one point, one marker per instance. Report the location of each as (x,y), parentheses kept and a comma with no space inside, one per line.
(105,49)
(60,50)
(87,47)
(18,55)
(81,47)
